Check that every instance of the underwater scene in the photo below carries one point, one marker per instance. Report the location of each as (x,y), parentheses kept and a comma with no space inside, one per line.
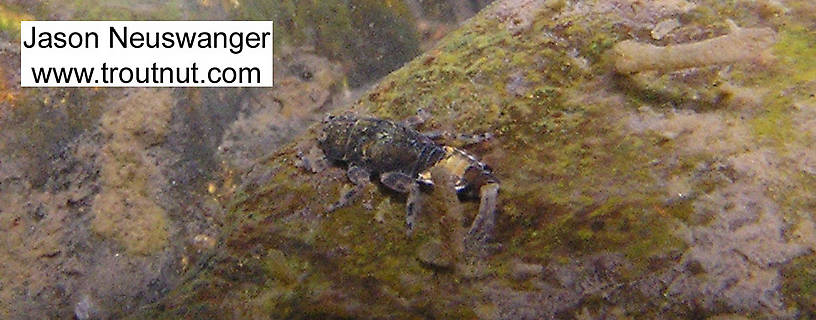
(426,159)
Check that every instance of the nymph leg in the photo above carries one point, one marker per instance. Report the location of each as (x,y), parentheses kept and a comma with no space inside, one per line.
(403,183)
(481,230)
(360,178)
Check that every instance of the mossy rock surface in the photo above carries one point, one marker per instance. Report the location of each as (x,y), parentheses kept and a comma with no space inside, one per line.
(687,195)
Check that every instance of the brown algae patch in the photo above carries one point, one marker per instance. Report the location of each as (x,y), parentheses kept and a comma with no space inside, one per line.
(126,210)
(739,45)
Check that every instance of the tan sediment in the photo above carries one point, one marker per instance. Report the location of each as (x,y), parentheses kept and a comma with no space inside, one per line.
(739,45)
(126,209)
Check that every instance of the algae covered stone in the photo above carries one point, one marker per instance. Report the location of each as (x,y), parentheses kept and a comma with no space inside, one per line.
(669,192)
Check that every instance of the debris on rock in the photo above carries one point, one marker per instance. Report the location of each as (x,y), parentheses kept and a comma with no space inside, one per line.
(740,45)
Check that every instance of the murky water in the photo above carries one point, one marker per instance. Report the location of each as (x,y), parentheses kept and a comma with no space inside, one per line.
(111,198)
(646,160)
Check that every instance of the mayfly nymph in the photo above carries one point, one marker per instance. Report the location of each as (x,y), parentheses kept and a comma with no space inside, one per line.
(403,158)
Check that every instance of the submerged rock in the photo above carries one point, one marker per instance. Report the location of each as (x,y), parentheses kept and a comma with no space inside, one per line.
(682,190)
(678,185)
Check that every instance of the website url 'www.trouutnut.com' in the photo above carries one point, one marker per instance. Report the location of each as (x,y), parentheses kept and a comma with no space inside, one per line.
(154,74)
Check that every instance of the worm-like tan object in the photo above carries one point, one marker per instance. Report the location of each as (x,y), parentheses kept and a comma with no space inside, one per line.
(741,44)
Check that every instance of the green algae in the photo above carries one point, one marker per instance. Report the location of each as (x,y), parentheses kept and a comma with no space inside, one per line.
(574,181)
(125,10)
(800,284)
(10,18)
(795,51)
(775,124)
(541,131)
